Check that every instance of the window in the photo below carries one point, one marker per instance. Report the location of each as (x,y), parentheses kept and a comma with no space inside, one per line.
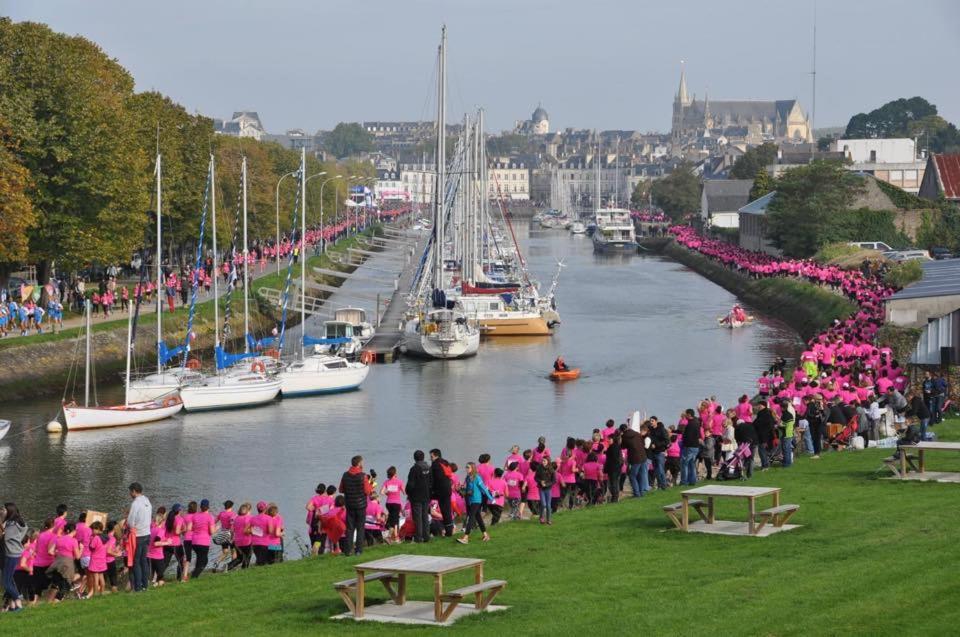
(873,156)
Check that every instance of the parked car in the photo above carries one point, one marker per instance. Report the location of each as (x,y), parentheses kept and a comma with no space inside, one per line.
(941,253)
(907,255)
(872,245)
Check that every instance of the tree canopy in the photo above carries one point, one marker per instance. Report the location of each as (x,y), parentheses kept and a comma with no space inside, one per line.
(348,139)
(679,192)
(17,216)
(755,159)
(640,197)
(912,117)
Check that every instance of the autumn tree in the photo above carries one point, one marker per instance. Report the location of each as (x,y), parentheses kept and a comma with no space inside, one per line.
(17,216)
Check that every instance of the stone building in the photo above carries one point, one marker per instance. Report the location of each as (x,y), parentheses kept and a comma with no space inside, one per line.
(538,124)
(242,124)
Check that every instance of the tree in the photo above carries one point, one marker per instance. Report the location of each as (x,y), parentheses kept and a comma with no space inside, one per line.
(823,144)
(890,120)
(762,184)
(348,139)
(754,159)
(17,216)
(802,217)
(67,105)
(679,192)
(640,197)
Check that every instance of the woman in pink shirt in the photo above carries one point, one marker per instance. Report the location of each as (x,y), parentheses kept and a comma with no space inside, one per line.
(513,457)
(241,539)
(393,490)
(498,487)
(188,537)
(203,526)
(592,471)
(42,557)
(259,528)
(225,523)
(276,533)
(566,473)
(65,550)
(313,516)
(533,492)
(514,482)
(158,545)
(98,559)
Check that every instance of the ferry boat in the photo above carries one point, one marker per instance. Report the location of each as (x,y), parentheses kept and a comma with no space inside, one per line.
(615,231)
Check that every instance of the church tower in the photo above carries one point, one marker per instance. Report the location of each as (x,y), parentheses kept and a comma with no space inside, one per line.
(681,102)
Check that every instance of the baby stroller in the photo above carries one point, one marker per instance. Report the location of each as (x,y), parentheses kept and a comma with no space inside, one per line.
(733,468)
(842,440)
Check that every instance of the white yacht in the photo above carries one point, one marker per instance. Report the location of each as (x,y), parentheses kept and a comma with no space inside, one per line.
(615,231)
(441,333)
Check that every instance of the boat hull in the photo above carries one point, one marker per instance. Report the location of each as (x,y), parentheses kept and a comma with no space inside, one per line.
(528,326)
(313,380)
(228,395)
(570,374)
(619,247)
(80,418)
(426,346)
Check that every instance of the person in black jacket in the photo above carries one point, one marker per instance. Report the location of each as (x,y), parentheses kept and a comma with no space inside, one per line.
(356,490)
(442,488)
(659,441)
(635,444)
(744,433)
(765,424)
(612,467)
(692,436)
(919,410)
(419,483)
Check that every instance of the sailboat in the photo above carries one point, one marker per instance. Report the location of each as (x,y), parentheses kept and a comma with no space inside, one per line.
(165,379)
(435,330)
(245,388)
(87,416)
(318,373)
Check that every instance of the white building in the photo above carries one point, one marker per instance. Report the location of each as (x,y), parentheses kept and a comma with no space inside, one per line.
(894,161)
(418,181)
(508,179)
(721,201)
(242,124)
(390,187)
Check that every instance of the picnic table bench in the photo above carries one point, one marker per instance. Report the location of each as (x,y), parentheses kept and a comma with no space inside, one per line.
(904,461)
(394,570)
(777,514)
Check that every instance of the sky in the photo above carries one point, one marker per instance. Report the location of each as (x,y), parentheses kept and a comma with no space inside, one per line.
(599,64)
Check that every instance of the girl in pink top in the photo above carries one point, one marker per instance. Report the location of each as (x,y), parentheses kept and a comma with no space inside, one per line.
(98,557)
(158,544)
(46,537)
(393,490)
(498,487)
(188,537)
(513,457)
(241,538)
(592,471)
(533,492)
(276,533)
(203,526)
(485,468)
(514,481)
(259,529)
(744,409)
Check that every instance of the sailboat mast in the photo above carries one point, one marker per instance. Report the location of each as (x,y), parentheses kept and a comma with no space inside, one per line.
(246,300)
(303,248)
(126,393)
(213,270)
(441,161)
(86,378)
(484,190)
(159,274)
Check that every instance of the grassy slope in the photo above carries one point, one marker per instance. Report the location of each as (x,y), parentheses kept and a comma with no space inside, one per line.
(873,557)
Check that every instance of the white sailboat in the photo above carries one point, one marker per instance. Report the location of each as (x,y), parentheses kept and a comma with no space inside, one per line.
(247,388)
(87,416)
(319,373)
(436,331)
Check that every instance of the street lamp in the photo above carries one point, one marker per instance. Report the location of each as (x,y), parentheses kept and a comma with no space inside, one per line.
(277,246)
(323,241)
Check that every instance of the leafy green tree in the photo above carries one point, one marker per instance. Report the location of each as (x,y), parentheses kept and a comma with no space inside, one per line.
(17,216)
(640,196)
(67,105)
(823,144)
(801,218)
(348,139)
(890,120)
(762,184)
(679,192)
(753,160)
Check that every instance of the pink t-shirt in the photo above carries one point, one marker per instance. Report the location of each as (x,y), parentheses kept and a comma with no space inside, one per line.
(260,529)
(486,471)
(28,558)
(567,472)
(108,546)
(498,486)
(83,538)
(225,519)
(58,524)
(373,510)
(513,457)
(533,490)
(744,411)
(514,480)
(592,470)
(394,490)
(157,534)
(240,535)
(276,530)
(315,501)
(187,521)
(98,555)
(179,524)
(67,546)
(203,525)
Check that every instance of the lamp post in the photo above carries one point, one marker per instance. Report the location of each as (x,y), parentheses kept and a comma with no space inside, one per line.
(319,174)
(323,240)
(277,246)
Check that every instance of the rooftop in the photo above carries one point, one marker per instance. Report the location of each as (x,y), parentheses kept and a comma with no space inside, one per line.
(940,278)
(948,172)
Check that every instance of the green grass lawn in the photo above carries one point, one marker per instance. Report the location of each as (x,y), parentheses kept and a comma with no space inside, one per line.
(874,557)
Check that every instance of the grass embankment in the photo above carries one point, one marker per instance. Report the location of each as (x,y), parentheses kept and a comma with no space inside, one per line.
(873,557)
(806,307)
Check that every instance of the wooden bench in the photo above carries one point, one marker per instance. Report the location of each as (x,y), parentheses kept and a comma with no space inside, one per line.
(778,515)
(673,509)
(894,463)
(348,587)
(491,586)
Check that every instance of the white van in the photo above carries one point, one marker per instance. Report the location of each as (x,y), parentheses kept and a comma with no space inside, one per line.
(872,245)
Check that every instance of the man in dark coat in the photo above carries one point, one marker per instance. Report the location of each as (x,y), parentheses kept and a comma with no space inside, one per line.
(418,493)
(766,424)
(635,444)
(356,489)
(442,488)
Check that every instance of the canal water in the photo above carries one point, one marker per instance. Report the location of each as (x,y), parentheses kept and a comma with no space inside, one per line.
(643,329)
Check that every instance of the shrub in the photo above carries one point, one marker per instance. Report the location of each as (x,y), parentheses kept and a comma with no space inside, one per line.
(903,274)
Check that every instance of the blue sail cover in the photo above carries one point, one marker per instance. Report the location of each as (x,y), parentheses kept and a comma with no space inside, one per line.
(309,340)
(164,353)
(255,344)
(225,360)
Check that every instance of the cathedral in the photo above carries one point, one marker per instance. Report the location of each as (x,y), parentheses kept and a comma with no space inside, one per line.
(753,120)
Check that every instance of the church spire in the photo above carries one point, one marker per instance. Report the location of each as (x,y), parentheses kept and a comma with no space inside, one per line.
(682,96)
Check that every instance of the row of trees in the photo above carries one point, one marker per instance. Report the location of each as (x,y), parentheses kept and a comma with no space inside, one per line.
(77,148)
(912,117)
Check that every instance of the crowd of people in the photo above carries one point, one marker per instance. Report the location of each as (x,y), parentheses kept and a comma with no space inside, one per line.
(844,387)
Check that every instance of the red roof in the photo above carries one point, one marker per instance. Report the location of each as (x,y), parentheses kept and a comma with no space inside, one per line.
(948,172)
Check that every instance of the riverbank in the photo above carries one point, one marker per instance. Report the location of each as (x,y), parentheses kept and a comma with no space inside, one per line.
(596,568)
(50,359)
(805,307)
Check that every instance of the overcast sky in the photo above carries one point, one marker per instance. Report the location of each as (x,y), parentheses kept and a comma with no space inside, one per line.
(593,64)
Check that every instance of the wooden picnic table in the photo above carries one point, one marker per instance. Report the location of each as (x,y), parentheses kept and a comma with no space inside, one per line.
(436,566)
(921,448)
(722,491)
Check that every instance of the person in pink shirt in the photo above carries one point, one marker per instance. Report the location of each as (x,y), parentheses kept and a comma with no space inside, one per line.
(313,515)
(485,467)
(42,557)
(498,487)
(23,577)
(540,451)
(188,537)
(225,522)
(592,473)
(60,520)
(744,409)
(533,492)
(175,526)
(673,458)
(65,550)
(203,526)
(514,482)
(277,531)
(259,528)
(157,546)
(609,428)
(513,457)
(241,539)
(567,474)
(83,534)
(111,545)
(393,490)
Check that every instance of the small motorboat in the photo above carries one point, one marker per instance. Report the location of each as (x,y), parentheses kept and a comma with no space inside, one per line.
(731,323)
(4,428)
(567,374)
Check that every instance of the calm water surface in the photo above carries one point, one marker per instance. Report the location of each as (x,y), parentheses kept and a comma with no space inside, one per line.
(643,329)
